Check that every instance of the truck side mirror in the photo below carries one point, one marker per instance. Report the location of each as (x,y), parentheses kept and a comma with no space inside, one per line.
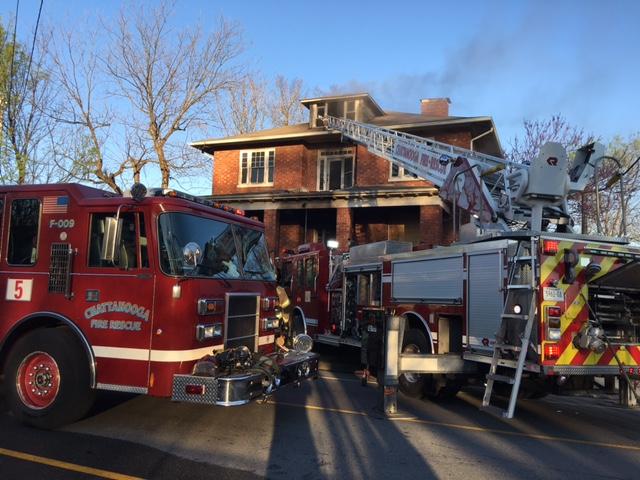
(192,254)
(111,239)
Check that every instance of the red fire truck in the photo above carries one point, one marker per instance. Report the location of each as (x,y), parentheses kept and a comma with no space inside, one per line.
(157,293)
(521,300)
(579,295)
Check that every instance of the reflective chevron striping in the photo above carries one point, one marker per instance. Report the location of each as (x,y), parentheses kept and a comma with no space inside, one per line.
(576,309)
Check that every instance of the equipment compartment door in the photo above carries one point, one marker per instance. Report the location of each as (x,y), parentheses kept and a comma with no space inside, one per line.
(484,298)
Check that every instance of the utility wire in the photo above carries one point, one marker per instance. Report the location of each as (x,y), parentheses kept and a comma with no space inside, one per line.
(33,47)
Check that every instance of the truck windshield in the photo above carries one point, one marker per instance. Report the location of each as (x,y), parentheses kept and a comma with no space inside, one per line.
(228,251)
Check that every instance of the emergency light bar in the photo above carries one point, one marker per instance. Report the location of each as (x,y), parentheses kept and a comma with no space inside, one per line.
(168,192)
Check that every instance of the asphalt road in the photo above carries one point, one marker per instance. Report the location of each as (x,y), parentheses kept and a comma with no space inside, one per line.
(332,428)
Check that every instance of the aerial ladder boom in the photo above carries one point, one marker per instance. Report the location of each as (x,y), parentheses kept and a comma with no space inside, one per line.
(495,190)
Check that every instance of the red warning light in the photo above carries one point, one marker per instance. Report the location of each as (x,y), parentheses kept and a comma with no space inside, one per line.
(551,247)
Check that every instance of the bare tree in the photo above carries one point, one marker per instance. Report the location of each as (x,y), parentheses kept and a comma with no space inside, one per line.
(82,114)
(539,132)
(582,206)
(170,79)
(284,105)
(242,108)
(250,104)
(608,180)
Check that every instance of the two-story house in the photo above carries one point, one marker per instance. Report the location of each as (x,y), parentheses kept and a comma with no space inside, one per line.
(308,184)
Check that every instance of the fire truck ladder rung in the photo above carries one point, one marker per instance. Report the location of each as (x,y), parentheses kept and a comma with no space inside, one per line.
(526,258)
(492,409)
(498,360)
(504,362)
(508,347)
(501,378)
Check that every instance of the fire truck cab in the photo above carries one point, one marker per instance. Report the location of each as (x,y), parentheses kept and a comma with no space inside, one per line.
(156,293)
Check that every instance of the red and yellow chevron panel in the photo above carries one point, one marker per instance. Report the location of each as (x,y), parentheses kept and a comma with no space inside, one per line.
(576,310)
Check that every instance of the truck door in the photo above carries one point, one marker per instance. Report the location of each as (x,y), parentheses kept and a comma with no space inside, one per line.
(117,302)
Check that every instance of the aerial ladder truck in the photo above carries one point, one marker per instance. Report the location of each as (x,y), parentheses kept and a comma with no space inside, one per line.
(500,193)
(533,298)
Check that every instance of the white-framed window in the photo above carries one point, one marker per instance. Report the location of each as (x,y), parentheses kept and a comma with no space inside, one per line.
(350,109)
(321,112)
(335,169)
(398,173)
(340,109)
(257,166)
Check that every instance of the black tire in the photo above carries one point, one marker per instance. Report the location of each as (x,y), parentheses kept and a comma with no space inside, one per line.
(529,390)
(414,341)
(438,388)
(536,395)
(60,392)
(533,389)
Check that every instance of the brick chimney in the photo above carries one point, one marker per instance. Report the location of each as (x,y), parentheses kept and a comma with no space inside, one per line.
(435,107)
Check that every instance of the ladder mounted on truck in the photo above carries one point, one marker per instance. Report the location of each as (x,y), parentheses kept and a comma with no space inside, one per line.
(513,338)
(494,189)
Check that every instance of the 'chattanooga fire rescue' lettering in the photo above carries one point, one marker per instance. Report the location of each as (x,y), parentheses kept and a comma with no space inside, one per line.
(118,307)
(116,325)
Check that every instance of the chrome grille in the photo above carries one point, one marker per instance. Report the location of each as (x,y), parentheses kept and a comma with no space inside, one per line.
(242,321)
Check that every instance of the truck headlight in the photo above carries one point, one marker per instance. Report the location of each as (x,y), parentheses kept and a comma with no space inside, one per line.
(302,343)
(204,332)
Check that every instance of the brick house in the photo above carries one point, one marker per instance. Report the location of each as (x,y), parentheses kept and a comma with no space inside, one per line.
(308,184)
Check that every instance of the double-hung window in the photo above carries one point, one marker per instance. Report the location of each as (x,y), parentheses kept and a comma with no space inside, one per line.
(257,166)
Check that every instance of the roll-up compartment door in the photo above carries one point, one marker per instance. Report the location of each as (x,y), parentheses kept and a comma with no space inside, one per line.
(428,280)
(485,297)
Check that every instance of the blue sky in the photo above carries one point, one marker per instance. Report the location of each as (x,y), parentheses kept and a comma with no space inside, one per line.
(512,60)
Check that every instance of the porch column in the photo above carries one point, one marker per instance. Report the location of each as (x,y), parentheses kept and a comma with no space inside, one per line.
(344,227)
(431,226)
(271,228)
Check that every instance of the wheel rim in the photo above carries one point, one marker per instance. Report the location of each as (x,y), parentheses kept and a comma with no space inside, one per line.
(38,380)
(411,348)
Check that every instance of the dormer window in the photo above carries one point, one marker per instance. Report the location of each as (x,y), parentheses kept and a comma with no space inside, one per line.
(359,107)
(321,112)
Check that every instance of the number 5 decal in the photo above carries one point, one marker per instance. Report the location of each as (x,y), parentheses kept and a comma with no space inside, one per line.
(19,290)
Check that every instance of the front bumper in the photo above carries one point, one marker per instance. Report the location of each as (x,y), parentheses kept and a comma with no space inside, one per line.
(242,387)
